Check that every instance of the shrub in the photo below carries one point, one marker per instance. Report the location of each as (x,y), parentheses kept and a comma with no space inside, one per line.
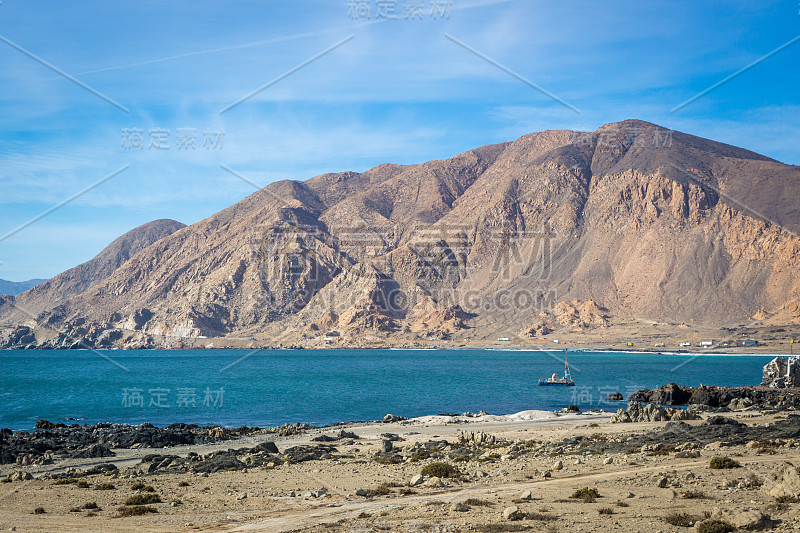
(148,488)
(621,504)
(786,498)
(694,495)
(65,481)
(105,486)
(720,463)
(462,458)
(137,486)
(477,502)
(542,517)
(440,470)
(502,528)
(714,526)
(680,519)
(136,510)
(605,510)
(90,505)
(5,480)
(388,459)
(143,499)
(82,484)
(39,510)
(183,484)
(664,450)
(753,481)
(381,490)
(586,494)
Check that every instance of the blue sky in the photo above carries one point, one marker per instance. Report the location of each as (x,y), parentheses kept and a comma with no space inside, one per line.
(397,91)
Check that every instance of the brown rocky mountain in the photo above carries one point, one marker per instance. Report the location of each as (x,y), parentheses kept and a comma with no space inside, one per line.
(76,280)
(632,219)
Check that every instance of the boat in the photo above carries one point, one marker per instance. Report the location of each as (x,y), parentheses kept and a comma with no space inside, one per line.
(555,380)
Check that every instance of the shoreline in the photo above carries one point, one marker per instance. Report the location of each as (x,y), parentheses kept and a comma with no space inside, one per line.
(493,347)
(427,424)
(521,472)
(443,418)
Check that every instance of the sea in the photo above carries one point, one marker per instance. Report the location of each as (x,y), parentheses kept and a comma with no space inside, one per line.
(234,388)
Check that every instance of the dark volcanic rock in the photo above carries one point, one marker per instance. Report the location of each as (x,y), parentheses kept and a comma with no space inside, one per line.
(299,454)
(95,450)
(97,440)
(719,397)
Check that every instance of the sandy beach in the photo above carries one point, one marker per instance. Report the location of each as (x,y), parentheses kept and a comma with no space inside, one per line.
(508,473)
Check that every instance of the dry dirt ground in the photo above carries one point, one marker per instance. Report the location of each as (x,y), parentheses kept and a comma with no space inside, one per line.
(636,490)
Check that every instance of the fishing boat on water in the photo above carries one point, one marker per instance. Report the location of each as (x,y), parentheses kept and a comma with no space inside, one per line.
(556,380)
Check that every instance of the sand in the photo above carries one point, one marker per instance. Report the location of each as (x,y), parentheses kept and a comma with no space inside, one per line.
(637,489)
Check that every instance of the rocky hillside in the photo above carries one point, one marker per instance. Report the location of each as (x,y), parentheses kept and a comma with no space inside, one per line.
(557,228)
(45,296)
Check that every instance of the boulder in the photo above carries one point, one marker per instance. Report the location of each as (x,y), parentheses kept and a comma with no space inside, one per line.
(616,397)
(416,480)
(670,394)
(267,446)
(738,404)
(787,483)
(475,438)
(637,412)
(20,476)
(460,507)
(526,495)
(558,465)
(748,520)
(434,482)
(512,513)
(782,372)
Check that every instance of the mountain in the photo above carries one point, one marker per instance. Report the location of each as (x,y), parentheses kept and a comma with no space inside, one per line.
(76,280)
(556,228)
(16,287)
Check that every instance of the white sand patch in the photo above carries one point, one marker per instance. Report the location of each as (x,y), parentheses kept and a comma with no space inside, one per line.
(522,416)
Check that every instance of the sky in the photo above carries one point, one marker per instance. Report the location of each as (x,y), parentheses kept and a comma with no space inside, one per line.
(117,113)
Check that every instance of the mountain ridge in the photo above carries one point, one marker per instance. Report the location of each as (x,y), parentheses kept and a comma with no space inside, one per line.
(643,220)
(12,288)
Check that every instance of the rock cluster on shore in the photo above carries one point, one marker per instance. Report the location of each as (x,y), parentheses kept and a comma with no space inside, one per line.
(55,440)
(712,397)
(781,373)
(636,412)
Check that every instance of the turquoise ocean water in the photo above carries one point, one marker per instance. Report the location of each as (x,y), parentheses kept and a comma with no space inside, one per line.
(273,387)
